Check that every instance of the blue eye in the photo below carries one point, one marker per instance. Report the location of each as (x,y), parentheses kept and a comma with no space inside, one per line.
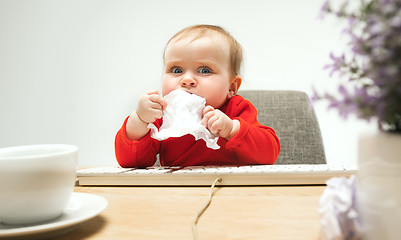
(176,70)
(204,70)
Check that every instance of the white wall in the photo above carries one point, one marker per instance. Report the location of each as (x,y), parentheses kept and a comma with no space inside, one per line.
(71,71)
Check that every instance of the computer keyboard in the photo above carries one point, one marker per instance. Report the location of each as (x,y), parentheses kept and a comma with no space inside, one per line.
(299,174)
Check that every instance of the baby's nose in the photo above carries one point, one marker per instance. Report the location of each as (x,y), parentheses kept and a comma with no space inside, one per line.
(189,82)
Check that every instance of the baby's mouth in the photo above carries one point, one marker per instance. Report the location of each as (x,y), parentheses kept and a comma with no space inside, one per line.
(188,91)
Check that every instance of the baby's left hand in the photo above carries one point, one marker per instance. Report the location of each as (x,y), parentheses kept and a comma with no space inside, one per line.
(219,123)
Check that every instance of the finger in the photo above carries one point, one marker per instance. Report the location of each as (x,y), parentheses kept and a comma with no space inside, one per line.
(156,98)
(214,124)
(207,109)
(157,114)
(209,114)
(147,96)
(163,103)
(153,115)
(154,105)
(152,91)
(206,118)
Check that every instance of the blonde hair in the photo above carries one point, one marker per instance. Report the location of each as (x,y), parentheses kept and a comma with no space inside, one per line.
(209,30)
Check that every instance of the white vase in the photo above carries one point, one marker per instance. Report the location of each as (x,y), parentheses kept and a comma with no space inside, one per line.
(379,185)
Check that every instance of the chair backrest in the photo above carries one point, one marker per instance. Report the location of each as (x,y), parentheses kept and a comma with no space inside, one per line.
(291,115)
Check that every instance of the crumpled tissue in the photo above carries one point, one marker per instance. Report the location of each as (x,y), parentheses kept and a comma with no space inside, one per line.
(183,115)
(339,216)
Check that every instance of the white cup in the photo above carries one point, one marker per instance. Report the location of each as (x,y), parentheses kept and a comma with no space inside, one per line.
(36,182)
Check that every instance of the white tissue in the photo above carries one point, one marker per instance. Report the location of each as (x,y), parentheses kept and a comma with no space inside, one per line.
(182,116)
(338,210)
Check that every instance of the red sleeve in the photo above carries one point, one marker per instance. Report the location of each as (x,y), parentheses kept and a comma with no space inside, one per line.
(254,143)
(137,154)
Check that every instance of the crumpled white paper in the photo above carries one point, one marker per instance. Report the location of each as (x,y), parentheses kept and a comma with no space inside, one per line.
(338,210)
(182,116)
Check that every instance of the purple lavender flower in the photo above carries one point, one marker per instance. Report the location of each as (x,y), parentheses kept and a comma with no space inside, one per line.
(337,64)
(374,69)
(325,8)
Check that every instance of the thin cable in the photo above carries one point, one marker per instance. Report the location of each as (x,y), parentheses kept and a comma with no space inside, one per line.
(202,210)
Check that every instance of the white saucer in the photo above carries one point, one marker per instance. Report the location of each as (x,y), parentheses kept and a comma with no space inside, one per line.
(81,207)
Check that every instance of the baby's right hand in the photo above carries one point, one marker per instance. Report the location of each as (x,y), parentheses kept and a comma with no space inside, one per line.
(150,106)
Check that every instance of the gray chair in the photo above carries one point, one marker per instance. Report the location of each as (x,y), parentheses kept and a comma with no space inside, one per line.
(291,115)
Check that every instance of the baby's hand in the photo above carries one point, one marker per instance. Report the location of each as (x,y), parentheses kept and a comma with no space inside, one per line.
(150,106)
(219,123)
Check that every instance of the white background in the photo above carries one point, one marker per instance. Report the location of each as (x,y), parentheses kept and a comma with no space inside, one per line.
(72,71)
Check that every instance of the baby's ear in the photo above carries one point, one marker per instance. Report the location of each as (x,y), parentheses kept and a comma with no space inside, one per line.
(235,83)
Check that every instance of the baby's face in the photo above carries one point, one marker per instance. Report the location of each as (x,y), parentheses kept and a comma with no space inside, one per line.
(201,67)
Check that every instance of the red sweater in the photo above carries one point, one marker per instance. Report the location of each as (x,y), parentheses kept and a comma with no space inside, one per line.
(253,144)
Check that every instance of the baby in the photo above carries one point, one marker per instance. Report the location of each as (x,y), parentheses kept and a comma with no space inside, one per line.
(203,60)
